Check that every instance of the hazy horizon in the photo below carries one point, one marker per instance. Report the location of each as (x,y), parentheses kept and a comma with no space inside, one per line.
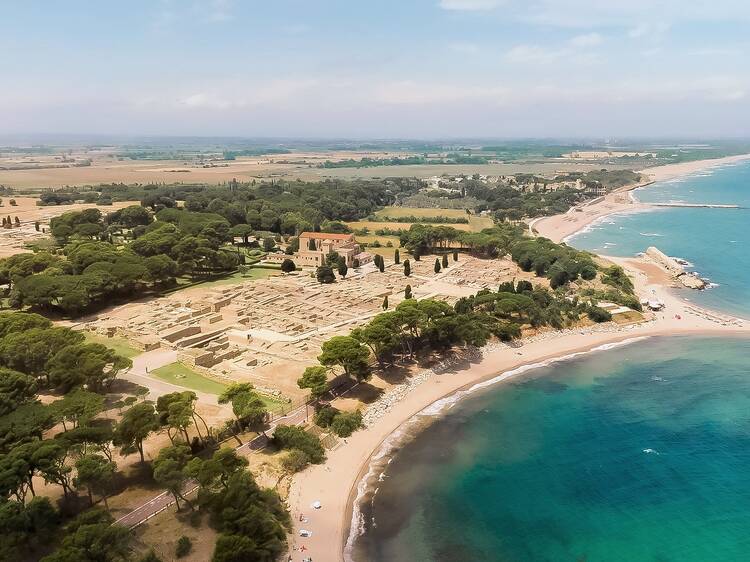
(447,69)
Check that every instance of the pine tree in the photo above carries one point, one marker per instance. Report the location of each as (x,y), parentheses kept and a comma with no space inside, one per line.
(407,291)
(407,268)
(445,260)
(396,257)
(385,302)
(455,255)
(437,265)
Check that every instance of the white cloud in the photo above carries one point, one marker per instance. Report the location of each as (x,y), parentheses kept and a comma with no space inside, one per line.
(470,5)
(587,40)
(732,95)
(649,30)
(628,14)
(203,100)
(273,92)
(172,13)
(534,54)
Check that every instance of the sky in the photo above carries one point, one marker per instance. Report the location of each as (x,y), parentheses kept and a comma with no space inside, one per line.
(376,69)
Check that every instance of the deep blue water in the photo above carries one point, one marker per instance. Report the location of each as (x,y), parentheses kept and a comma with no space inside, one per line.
(636,454)
(713,240)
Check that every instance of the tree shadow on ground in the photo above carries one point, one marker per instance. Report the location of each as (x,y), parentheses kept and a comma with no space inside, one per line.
(126,388)
(396,373)
(364,392)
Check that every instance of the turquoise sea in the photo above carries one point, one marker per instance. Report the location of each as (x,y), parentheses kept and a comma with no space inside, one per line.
(639,453)
(713,240)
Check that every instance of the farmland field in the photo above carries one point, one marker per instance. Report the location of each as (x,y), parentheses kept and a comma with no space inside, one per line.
(475,223)
(397,212)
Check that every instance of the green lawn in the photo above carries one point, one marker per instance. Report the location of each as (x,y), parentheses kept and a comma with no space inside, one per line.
(181,375)
(233,279)
(121,346)
(253,274)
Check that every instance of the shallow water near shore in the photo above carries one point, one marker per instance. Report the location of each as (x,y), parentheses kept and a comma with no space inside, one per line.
(634,454)
(714,241)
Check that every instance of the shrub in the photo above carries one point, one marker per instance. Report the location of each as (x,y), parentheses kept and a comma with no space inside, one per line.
(292,437)
(588,272)
(287,266)
(324,274)
(616,277)
(324,417)
(294,461)
(184,546)
(599,314)
(346,423)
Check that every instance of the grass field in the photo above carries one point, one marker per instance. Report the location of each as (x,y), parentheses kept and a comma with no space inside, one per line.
(397,212)
(384,251)
(370,238)
(253,274)
(181,375)
(233,279)
(121,346)
(475,224)
(628,317)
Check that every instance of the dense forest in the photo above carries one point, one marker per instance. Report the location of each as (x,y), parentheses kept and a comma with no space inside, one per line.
(103,258)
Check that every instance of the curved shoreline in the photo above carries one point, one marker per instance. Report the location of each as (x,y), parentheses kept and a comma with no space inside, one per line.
(337,483)
(341,482)
(560,228)
(433,412)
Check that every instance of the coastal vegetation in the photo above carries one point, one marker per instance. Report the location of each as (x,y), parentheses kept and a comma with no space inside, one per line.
(75,376)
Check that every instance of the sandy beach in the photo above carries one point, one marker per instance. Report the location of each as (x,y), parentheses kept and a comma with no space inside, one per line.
(560,227)
(342,480)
